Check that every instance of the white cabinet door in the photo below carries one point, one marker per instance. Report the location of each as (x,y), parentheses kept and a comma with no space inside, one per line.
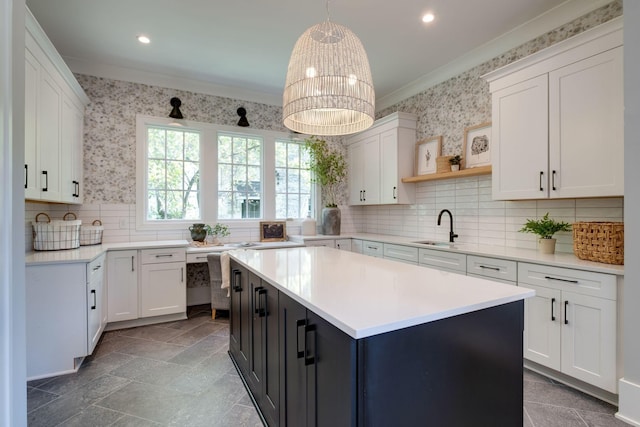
(343,244)
(357,246)
(122,285)
(589,340)
(371,170)
(389,179)
(95,304)
(542,327)
(586,124)
(71,155)
(520,140)
(356,174)
(163,289)
(49,137)
(32,176)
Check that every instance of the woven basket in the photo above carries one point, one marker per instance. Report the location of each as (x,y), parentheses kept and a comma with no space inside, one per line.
(56,235)
(91,234)
(443,165)
(599,241)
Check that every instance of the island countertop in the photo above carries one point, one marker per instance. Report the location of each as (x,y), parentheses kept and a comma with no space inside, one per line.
(365,296)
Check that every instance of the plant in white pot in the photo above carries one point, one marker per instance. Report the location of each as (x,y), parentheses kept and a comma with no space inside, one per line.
(329,169)
(545,228)
(455,162)
(216,232)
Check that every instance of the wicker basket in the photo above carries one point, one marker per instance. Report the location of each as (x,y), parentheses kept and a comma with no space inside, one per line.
(56,235)
(443,165)
(599,241)
(91,234)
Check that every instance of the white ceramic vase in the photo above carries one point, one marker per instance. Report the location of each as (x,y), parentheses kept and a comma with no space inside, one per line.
(547,246)
(455,168)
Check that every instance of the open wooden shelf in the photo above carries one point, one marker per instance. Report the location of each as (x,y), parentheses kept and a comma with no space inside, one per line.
(481,170)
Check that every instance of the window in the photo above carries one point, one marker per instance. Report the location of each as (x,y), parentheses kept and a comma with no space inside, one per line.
(239,176)
(201,172)
(173,174)
(293,180)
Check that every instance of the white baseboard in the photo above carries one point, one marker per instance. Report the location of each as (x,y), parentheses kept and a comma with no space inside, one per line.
(199,295)
(629,396)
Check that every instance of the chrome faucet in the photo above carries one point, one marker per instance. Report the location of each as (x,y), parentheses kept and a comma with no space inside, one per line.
(452,235)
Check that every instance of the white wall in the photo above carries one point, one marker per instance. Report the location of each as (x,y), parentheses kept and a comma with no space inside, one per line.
(13,406)
(630,385)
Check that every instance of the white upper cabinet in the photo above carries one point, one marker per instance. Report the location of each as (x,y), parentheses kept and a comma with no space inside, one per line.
(378,160)
(558,120)
(54,116)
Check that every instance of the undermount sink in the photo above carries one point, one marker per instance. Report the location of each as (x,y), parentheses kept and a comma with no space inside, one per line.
(433,243)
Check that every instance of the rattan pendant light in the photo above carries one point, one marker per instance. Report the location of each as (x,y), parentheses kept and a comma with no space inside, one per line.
(328,90)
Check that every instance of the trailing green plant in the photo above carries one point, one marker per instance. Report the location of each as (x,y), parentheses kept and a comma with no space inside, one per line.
(545,227)
(218,230)
(455,160)
(328,166)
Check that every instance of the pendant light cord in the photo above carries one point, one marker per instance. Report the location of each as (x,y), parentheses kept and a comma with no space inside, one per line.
(328,14)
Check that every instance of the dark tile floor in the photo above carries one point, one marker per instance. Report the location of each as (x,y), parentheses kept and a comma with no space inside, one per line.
(179,374)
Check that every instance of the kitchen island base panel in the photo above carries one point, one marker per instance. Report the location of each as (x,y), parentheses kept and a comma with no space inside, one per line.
(463,370)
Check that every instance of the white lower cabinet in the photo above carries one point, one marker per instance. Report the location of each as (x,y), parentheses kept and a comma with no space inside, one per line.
(65,317)
(163,282)
(343,244)
(372,248)
(443,260)
(570,325)
(122,279)
(402,253)
(499,270)
(329,243)
(356,246)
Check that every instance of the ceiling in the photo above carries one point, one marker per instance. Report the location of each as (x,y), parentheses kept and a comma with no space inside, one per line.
(246,44)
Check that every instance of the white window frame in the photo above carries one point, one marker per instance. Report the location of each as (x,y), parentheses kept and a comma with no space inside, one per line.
(209,174)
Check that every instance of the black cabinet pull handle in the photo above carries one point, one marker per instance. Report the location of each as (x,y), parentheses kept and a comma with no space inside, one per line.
(46,181)
(309,360)
(236,281)
(26,176)
(76,189)
(541,175)
(301,323)
(164,255)
(364,195)
(256,301)
(262,298)
(553,303)
(560,280)
(93,291)
(360,195)
(132,257)
(553,180)
(486,267)
(566,304)
(394,193)
(97,267)
(181,274)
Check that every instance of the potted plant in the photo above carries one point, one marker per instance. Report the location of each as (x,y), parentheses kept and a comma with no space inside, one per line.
(455,162)
(217,231)
(329,169)
(545,228)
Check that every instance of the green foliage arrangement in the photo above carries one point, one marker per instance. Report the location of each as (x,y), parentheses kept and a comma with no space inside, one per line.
(328,166)
(455,160)
(545,227)
(218,230)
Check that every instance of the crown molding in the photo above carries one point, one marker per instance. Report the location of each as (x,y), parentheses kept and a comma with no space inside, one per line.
(168,81)
(551,19)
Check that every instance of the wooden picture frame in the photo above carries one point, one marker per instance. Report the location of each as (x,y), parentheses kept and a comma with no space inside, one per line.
(273,231)
(477,145)
(427,151)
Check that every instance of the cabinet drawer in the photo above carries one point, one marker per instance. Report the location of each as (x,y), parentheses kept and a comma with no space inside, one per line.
(356,246)
(155,256)
(197,257)
(443,260)
(404,253)
(95,268)
(329,243)
(372,248)
(492,268)
(582,282)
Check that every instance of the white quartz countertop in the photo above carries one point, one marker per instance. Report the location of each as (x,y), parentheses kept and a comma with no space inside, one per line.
(567,260)
(89,253)
(365,296)
(243,245)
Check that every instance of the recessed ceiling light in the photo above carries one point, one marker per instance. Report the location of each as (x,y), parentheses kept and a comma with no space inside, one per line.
(428,17)
(144,39)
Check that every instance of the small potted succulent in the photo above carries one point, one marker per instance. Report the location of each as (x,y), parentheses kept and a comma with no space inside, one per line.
(216,232)
(545,228)
(455,162)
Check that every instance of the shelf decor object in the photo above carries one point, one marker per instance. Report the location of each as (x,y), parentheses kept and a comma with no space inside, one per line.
(599,241)
(328,89)
(477,145)
(427,151)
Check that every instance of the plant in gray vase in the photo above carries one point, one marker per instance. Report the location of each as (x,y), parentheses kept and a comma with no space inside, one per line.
(329,169)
